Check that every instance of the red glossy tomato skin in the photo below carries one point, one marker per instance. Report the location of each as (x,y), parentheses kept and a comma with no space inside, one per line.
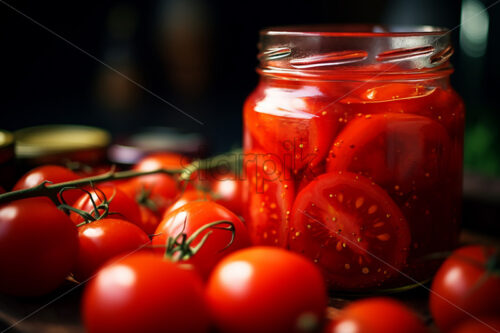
(266,289)
(53,173)
(157,161)
(351,228)
(188,196)
(376,315)
(479,325)
(144,293)
(38,247)
(458,286)
(228,190)
(104,239)
(194,215)
(121,206)
(149,220)
(161,189)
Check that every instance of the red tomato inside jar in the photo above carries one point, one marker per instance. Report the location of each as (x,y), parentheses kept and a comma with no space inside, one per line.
(353,145)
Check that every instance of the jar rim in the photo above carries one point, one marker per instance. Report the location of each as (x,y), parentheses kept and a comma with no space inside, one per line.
(323,51)
(355,30)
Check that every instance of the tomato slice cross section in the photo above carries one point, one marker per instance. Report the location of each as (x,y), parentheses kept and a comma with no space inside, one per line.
(396,150)
(351,228)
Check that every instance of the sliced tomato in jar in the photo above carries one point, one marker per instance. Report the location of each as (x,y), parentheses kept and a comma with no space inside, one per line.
(351,228)
(270,191)
(396,150)
(298,126)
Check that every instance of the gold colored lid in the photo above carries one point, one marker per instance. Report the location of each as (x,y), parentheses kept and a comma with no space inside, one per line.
(56,139)
(6,139)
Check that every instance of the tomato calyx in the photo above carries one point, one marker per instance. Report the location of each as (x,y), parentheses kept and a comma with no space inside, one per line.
(492,265)
(99,211)
(143,198)
(179,248)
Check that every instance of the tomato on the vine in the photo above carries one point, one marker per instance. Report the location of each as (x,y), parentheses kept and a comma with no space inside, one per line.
(52,173)
(144,293)
(219,243)
(156,191)
(38,247)
(228,191)
(155,161)
(376,315)
(121,206)
(188,196)
(266,289)
(104,239)
(468,282)
(347,224)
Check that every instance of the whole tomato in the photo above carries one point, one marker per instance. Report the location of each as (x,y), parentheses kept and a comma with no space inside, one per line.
(376,315)
(188,196)
(52,173)
(266,289)
(467,283)
(144,293)
(219,242)
(228,191)
(165,160)
(157,191)
(121,206)
(38,247)
(104,239)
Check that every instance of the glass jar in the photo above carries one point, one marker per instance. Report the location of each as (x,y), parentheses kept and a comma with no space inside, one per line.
(353,145)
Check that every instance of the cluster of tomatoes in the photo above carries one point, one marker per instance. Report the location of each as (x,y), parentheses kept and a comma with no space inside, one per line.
(156,254)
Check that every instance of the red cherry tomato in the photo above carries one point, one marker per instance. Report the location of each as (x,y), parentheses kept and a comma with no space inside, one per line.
(479,325)
(162,161)
(228,190)
(466,283)
(346,223)
(53,173)
(376,315)
(159,189)
(121,206)
(395,150)
(266,289)
(188,196)
(38,247)
(270,190)
(104,239)
(150,220)
(144,293)
(191,217)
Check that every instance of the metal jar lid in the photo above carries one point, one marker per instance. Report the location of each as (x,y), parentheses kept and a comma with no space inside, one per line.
(55,143)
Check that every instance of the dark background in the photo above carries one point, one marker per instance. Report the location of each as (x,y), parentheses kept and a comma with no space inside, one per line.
(200,56)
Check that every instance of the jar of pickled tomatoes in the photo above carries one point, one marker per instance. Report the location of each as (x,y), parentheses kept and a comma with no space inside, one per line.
(353,143)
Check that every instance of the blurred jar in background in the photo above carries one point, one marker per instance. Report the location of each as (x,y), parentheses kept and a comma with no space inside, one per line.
(115,93)
(185,30)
